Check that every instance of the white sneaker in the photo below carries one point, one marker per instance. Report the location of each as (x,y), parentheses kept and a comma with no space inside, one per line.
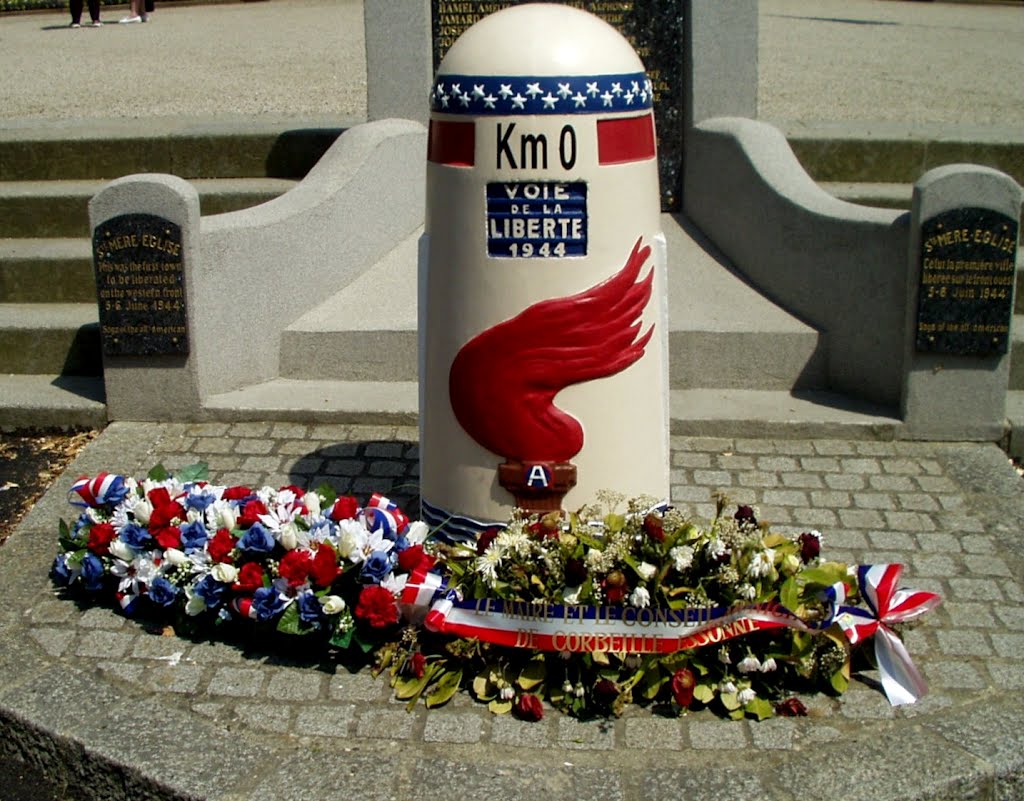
(129,20)
(94,24)
(75,25)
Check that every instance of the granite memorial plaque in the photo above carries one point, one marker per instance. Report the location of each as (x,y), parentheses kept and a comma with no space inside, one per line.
(965,300)
(655,30)
(140,284)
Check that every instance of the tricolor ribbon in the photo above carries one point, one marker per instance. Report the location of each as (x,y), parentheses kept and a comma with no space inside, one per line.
(383,514)
(901,681)
(95,492)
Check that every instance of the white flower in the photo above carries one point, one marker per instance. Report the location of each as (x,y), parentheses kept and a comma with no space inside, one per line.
(514,541)
(724,658)
(761,564)
(417,533)
(224,515)
(332,604)
(507,693)
(195,604)
(488,564)
(640,597)
(571,595)
(727,687)
(120,549)
(715,548)
(311,501)
(289,536)
(682,557)
(175,557)
(768,665)
(646,570)
(746,591)
(395,583)
(225,574)
(746,695)
(749,664)
(352,540)
(142,510)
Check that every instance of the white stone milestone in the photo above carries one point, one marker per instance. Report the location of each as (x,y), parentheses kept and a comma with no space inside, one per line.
(543,319)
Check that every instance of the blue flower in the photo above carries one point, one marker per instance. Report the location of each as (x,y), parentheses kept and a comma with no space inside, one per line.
(210,590)
(256,540)
(310,610)
(197,500)
(136,537)
(193,536)
(376,567)
(92,572)
(162,592)
(60,572)
(267,603)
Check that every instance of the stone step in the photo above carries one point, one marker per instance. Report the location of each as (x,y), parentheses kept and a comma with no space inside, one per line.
(50,338)
(722,332)
(695,412)
(37,209)
(879,195)
(46,271)
(222,147)
(51,401)
(899,153)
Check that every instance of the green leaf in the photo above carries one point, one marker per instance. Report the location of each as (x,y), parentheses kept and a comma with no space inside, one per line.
(499,707)
(482,687)
(158,472)
(789,595)
(407,687)
(825,575)
(759,708)
(704,693)
(533,674)
(200,471)
(328,494)
(730,701)
(445,688)
(364,645)
(289,622)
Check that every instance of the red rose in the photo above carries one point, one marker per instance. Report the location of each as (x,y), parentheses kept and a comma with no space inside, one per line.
(415,557)
(575,571)
(605,692)
(810,546)
(485,539)
(529,707)
(745,516)
(417,665)
(345,508)
(683,682)
(161,520)
(654,528)
(236,493)
(295,566)
(377,607)
(221,546)
(100,537)
(791,708)
(251,513)
(250,578)
(324,569)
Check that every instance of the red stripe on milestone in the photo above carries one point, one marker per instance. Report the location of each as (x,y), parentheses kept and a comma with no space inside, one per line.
(625,139)
(452,143)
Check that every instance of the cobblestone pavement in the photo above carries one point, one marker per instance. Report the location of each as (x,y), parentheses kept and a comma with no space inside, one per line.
(227,720)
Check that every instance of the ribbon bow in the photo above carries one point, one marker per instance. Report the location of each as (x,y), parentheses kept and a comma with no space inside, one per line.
(383,514)
(95,492)
(901,681)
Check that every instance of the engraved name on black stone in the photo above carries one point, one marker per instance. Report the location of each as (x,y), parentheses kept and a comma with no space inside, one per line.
(140,285)
(653,27)
(965,299)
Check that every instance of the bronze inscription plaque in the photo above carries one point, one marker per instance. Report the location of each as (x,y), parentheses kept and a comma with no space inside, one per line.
(140,284)
(965,300)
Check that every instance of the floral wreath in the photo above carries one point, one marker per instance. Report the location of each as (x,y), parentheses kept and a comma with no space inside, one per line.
(616,603)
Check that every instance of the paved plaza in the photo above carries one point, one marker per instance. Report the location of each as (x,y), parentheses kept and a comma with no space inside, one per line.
(217,719)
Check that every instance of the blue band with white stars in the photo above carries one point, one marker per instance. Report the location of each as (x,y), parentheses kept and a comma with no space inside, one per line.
(478,95)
